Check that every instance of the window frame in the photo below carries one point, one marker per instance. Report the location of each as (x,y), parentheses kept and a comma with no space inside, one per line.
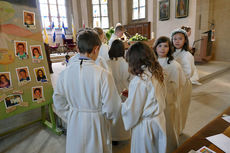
(59,26)
(100,16)
(145,6)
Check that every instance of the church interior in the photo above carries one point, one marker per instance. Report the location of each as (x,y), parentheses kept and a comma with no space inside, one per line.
(51,28)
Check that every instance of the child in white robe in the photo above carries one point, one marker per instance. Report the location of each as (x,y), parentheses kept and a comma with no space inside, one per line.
(181,54)
(119,68)
(118,33)
(104,49)
(143,111)
(195,78)
(175,80)
(86,96)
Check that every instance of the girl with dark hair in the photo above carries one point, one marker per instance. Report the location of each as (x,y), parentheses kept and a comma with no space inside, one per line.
(174,79)
(143,111)
(37,94)
(4,81)
(41,76)
(195,77)
(119,69)
(181,54)
(36,54)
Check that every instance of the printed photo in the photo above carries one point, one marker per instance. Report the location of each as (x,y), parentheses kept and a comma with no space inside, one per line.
(28,18)
(23,74)
(40,74)
(36,52)
(21,49)
(5,80)
(12,100)
(37,94)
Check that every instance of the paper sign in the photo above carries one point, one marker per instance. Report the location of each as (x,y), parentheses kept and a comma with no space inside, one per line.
(226,118)
(221,141)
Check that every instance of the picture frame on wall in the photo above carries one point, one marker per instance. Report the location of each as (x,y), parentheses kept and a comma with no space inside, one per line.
(182,8)
(164,10)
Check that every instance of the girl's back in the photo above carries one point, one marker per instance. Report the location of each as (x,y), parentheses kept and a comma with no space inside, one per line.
(142,113)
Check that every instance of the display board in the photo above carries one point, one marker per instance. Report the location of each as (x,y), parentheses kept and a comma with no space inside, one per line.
(25,82)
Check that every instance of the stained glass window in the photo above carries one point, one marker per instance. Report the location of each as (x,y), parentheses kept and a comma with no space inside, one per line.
(139,9)
(53,11)
(100,13)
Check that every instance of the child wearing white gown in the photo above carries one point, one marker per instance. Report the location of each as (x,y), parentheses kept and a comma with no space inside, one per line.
(175,80)
(181,54)
(119,69)
(86,96)
(143,111)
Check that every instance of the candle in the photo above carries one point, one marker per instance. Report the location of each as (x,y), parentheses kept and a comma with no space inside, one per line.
(152,35)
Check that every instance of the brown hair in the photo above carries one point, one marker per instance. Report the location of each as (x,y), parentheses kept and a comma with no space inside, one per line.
(187,29)
(164,39)
(98,30)
(139,55)
(87,39)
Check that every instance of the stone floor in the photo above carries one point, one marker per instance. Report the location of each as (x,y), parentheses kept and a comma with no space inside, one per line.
(208,100)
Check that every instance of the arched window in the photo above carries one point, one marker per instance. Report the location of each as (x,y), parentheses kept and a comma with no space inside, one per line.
(100,13)
(138,9)
(53,11)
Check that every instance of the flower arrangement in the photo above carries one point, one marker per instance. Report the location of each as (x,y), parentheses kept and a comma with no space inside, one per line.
(138,37)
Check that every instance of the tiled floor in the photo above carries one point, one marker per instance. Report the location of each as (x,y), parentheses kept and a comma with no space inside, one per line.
(208,100)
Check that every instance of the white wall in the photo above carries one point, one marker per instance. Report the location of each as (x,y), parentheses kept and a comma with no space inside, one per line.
(164,28)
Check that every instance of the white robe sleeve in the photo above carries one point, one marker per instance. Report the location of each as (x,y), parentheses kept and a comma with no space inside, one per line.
(60,103)
(100,61)
(111,101)
(126,75)
(132,108)
(188,65)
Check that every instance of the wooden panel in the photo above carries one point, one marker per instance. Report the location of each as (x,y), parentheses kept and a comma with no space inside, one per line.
(140,28)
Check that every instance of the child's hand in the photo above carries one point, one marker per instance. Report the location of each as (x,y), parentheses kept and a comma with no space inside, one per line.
(125,93)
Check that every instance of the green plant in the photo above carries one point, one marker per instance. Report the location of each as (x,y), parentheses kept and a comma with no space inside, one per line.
(109,33)
(138,37)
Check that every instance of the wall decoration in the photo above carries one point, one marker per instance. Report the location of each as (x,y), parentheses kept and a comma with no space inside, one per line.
(40,74)
(13,27)
(37,94)
(164,10)
(23,75)
(31,3)
(28,18)
(182,8)
(21,49)
(36,53)
(5,80)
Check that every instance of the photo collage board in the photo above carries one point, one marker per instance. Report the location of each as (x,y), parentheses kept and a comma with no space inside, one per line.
(25,82)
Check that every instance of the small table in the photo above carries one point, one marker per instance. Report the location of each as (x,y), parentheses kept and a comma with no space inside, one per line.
(217,126)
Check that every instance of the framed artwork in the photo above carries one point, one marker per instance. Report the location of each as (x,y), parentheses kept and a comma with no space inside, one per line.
(164,10)
(182,7)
